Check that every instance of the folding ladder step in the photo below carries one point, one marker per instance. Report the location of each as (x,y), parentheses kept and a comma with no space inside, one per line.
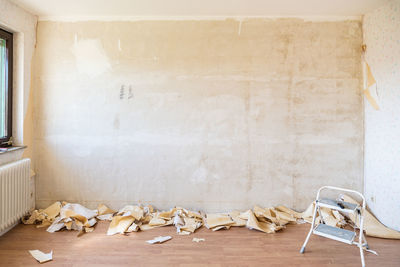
(335,233)
(338,205)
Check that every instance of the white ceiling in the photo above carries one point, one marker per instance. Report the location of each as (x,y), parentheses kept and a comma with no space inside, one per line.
(98,9)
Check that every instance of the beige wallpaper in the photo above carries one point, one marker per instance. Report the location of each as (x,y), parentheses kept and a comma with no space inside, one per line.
(382,128)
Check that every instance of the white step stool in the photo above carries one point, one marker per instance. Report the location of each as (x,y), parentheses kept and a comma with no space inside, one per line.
(336,233)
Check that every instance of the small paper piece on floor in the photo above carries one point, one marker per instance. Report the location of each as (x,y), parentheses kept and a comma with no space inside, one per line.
(253,223)
(120,224)
(105,217)
(133,228)
(295,214)
(40,256)
(103,209)
(235,217)
(191,224)
(135,211)
(157,222)
(159,239)
(222,227)
(53,210)
(80,216)
(45,217)
(198,240)
(216,219)
(184,233)
(89,229)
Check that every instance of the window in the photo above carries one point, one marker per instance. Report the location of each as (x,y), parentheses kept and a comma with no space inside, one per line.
(6,60)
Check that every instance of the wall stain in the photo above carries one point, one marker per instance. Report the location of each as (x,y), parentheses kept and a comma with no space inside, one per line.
(116,122)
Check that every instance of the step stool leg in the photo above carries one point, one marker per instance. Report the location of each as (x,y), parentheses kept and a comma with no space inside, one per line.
(303,248)
(365,242)
(362,256)
(361,237)
(360,244)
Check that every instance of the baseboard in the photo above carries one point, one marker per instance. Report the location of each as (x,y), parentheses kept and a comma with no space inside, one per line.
(9,228)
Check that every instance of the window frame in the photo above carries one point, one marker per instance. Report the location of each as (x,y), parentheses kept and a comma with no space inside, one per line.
(8,36)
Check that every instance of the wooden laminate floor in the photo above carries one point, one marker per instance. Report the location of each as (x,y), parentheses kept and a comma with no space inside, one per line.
(234,247)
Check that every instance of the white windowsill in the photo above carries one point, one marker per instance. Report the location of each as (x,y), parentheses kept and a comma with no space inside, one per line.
(11,154)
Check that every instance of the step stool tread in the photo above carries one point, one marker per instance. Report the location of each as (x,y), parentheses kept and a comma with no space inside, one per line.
(335,233)
(338,205)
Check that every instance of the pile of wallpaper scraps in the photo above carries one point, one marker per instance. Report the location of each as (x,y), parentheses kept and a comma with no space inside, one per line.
(267,220)
(69,216)
(43,217)
(129,219)
(135,218)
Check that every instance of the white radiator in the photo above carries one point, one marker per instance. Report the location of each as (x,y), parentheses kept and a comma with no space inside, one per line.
(14,192)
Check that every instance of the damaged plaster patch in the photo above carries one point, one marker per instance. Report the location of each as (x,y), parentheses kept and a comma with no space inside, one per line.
(90,57)
(202,174)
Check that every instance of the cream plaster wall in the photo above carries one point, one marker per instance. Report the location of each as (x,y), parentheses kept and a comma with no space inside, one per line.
(213,115)
(382,128)
(23,25)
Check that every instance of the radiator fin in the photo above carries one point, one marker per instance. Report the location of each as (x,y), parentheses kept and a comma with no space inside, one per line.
(15,192)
